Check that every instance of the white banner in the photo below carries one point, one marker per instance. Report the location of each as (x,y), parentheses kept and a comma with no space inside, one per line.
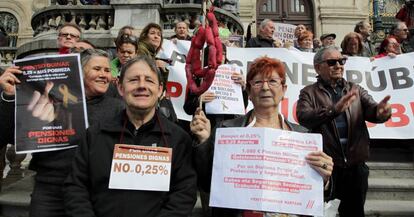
(177,81)
(264,169)
(384,76)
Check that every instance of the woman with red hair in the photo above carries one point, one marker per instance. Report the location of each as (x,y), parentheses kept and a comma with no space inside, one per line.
(389,47)
(266,87)
(305,41)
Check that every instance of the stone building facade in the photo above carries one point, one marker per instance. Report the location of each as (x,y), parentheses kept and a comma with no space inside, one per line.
(34,21)
(321,16)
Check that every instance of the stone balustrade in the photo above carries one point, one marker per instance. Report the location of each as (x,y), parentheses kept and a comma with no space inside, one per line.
(172,13)
(88,17)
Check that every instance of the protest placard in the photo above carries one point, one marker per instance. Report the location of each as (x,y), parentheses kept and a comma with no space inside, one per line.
(264,169)
(229,96)
(136,167)
(50,103)
(234,41)
(384,76)
(284,32)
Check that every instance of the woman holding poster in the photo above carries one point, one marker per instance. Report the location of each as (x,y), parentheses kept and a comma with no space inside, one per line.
(52,167)
(266,88)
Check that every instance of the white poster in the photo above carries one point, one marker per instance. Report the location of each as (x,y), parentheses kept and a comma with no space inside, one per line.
(264,169)
(284,32)
(229,96)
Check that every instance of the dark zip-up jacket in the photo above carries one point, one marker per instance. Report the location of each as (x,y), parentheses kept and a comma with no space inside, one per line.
(315,110)
(86,189)
(260,41)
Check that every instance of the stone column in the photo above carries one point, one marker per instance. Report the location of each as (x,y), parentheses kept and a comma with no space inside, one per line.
(136,13)
(339,18)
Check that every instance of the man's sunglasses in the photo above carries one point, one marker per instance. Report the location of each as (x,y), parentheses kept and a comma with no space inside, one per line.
(332,62)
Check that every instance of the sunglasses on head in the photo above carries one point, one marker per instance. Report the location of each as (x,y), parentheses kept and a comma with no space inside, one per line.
(332,62)
(127,37)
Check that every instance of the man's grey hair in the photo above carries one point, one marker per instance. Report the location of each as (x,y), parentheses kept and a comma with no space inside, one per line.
(87,55)
(359,25)
(264,23)
(318,58)
(186,24)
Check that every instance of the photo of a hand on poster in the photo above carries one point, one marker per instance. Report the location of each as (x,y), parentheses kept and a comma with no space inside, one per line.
(41,105)
(50,105)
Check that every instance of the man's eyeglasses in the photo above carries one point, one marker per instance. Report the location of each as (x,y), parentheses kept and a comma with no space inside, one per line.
(65,35)
(273,82)
(332,62)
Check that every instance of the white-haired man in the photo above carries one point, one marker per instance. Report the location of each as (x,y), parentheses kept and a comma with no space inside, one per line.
(265,36)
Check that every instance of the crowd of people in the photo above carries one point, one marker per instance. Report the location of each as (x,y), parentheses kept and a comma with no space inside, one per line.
(356,43)
(127,104)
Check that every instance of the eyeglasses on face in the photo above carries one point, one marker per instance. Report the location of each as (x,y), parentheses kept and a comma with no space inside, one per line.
(65,35)
(394,44)
(332,62)
(273,82)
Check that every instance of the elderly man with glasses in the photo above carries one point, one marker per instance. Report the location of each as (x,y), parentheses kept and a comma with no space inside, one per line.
(338,109)
(401,33)
(68,35)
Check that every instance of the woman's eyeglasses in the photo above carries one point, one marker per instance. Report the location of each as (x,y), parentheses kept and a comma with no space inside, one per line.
(332,62)
(273,82)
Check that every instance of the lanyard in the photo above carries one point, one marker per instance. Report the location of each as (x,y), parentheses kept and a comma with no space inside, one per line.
(121,137)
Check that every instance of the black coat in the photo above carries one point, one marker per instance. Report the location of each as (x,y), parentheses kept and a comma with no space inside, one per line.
(259,41)
(86,189)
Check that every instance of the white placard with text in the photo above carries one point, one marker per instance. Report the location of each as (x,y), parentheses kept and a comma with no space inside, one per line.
(229,96)
(140,168)
(264,169)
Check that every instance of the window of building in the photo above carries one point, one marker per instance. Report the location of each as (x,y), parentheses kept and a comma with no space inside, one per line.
(8,30)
